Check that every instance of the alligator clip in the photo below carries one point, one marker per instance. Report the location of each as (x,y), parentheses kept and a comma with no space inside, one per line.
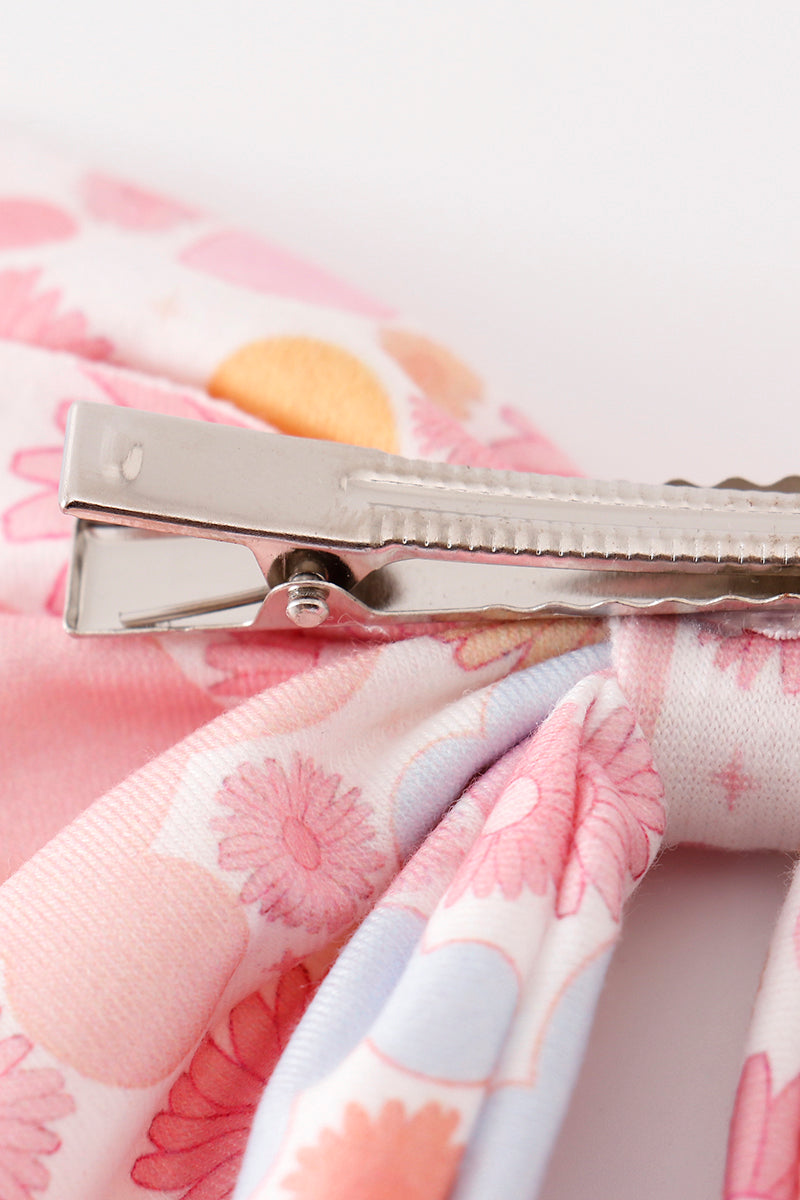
(187,525)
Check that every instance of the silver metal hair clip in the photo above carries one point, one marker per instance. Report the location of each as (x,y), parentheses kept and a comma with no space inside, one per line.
(186,525)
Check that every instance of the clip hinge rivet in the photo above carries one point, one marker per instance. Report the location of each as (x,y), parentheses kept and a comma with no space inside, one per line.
(307,600)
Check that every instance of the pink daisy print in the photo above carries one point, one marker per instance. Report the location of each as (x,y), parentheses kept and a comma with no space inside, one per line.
(38,517)
(618,804)
(440,435)
(306,843)
(525,840)
(763,1150)
(27,221)
(577,810)
(200,1137)
(131,391)
(29,1100)
(29,313)
(749,652)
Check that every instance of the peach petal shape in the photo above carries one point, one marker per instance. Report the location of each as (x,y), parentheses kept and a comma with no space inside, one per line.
(309,388)
(434,369)
(116,966)
(25,222)
(248,262)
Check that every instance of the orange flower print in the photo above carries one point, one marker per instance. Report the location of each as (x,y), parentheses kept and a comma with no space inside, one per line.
(29,1100)
(306,843)
(530,642)
(201,1135)
(392,1156)
(30,314)
(436,372)
(310,388)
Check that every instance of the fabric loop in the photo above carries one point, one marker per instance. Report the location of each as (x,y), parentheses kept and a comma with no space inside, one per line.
(720,706)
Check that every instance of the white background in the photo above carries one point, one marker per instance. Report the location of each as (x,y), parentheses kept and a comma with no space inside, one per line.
(597,205)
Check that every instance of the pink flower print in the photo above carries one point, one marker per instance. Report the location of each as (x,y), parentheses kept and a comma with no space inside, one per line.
(441,436)
(307,844)
(245,261)
(749,652)
(257,661)
(26,221)
(526,449)
(200,1136)
(619,801)
(30,314)
(130,207)
(525,840)
(577,810)
(29,1100)
(38,517)
(132,391)
(763,1148)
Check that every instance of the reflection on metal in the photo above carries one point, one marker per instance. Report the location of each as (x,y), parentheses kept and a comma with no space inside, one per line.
(187,525)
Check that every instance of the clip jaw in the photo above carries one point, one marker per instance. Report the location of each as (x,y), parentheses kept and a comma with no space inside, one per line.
(187,525)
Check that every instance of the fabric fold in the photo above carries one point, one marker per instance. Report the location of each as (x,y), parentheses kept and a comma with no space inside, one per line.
(470,988)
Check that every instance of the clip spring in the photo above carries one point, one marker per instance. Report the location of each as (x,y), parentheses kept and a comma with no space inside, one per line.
(186,525)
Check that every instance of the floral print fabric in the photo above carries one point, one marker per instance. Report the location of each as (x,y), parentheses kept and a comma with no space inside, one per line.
(484,964)
(306,842)
(290,915)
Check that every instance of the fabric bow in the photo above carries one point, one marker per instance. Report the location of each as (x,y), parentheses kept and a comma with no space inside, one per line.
(293,916)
